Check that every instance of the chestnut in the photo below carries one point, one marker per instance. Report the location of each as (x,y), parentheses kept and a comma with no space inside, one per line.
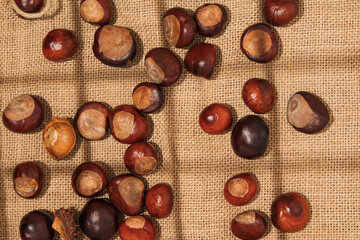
(200,60)
(290,212)
(89,180)
(64,223)
(59,138)
(148,97)
(162,66)
(179,27)
(215,118)
(258,95)
(36,225)
(99,219)
(59,45)
(210,19)
(141,158)
(307,113)
(249,138)
(137,228)
(96,11)
(24,114)
(28,179)
(259,43)
(114,45)
(280,12)
(127,193)
(30,6)
(159,200)
(249,225)
(91,120)
(128,125)
(240,189)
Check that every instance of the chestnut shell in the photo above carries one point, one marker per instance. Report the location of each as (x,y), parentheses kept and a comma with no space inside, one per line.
(59,45)
(280,12)
(36,225)
(249,225)
(212,27)
(246,183)
(32,176)
(258,95)
(200,60)
(159,200)
(137,228)
(148,97)
(30,6)
(215,118)
(135,153)
(106,8)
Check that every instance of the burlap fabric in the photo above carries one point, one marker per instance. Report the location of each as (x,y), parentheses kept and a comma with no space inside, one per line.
(320,53)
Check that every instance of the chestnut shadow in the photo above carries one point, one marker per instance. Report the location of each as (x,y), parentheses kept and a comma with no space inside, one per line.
(114,13)
(47,113)
(157,225)
(227,23)
(108,130)
(79,142)
(160,155)
(184,72)
(235,118)
(310,208)
(109,170)
(152,126)
(217,69)
(47,178)
(268,223)
(139,50)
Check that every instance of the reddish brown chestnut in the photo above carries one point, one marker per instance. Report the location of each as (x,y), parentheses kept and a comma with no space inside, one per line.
(215,118)
(307,113)
(200,60)
(64,223)
(258,95)
(148,97)
(280,12)
(137,228)
(159,200)
(210,19)
(127,193)
(179,27)
(240,189)
(259,43)
(28,179)
(89,180)
(249,225)
(96,11)
(290,212)
(162,66)
(128,125)
(59,44)
(24,114)
(36,225)
(141,158)
(30,6)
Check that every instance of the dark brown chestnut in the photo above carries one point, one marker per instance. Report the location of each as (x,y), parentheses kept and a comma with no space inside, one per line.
(240,189)
(24,114)
(59,45)
(179,27)
(114,45)
(30,6)
(128,125)
(65,224)
(159,200)
(259,43)
(96,11)
(258,95)
(28,179)
(215,118)
(200,60)
(280,12)
(162,66)
(127,193)
(210,19)
(99,219)
(36,225)
(249,225)
(290,212)
(91,120)
(307,113)
(141,158)
(148,97)
(89,180)
(249,138)
(137,228)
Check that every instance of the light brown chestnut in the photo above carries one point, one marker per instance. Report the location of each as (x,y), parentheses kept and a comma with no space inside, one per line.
(59,45)
(28,179)
(148,97)
(240,189)
(258,95)
(159,200)
(210,19)
(215,118)
(137,228)
(96,11)
(141,158)
(249,225)
(200,60)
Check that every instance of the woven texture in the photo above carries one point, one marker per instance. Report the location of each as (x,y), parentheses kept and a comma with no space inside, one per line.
(320,53)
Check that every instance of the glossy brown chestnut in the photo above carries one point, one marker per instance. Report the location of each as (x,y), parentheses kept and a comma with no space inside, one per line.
(36,225)
(59,44)
(259,43)
(210,19)
(148,97)
(137,228)
(30,6)
(96,11)
(28,179)
(249,138)
(127,193)
(128,125)
(89,180)
(280,12)
(65,224)
(249,225)
(99,219)
(179,27)
(215,118)
(24,114)
(290,212)
(307,113)
(141,158)
(200,60)
(258,95)
(159,200)
(91,120)
(114,45)
(162,66)
(240,189)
